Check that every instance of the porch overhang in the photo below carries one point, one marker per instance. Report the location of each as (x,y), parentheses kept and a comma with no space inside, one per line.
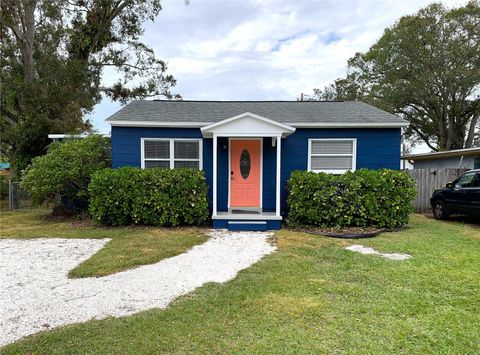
(247,125)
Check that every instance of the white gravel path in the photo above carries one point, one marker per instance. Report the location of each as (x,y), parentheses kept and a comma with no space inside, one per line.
(367,250)
(36,295)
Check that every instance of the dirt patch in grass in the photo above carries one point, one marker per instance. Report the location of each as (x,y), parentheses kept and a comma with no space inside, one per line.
(286,305)
(287,238)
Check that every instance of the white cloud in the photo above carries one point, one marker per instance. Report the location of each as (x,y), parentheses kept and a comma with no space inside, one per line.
(254,50)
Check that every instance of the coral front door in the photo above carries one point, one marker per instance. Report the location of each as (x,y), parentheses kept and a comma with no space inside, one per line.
(245,172)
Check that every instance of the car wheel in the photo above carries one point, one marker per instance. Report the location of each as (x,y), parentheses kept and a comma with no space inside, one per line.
(439,210)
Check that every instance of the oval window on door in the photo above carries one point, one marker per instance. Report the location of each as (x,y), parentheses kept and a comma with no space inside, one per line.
(245,164)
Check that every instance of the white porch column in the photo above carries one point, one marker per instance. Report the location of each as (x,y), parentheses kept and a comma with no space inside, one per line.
(279,152)
(214,204)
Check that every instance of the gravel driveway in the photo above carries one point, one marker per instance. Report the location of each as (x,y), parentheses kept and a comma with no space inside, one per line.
(36,295)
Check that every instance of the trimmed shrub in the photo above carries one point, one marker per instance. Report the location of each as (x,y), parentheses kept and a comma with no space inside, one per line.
(375,198)
(159,197)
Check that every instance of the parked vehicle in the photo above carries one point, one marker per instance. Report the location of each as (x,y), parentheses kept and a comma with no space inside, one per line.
(461,196)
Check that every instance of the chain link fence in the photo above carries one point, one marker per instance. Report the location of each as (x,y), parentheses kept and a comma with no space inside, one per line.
(4,192)
(18,198)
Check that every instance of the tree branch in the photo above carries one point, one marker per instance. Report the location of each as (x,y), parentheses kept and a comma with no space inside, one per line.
(424,138)
(9,116)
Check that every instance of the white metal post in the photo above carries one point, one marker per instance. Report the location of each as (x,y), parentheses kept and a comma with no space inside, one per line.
(214,204)
(279,152)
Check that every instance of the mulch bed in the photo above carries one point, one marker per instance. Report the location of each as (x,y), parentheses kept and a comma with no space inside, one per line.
(348,232)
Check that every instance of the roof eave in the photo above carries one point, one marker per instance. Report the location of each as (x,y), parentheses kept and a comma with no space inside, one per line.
(185,124)
(445,154)
(348,124)
(179,124)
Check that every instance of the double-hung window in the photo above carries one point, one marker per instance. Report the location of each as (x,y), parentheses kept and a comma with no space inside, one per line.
(171,153)
(335,156)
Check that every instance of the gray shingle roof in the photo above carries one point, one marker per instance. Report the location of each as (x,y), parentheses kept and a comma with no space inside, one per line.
(289,112)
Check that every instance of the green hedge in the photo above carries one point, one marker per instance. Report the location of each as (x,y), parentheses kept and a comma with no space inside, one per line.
(377,198)
(157,197)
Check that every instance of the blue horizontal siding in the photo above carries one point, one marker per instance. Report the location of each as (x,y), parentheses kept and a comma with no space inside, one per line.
(126,142)
(376,148)
(223,223)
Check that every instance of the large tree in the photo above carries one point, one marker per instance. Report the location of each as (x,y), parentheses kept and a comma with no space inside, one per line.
(53,55)
(426,67)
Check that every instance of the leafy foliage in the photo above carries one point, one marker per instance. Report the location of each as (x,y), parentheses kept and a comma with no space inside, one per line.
(159,197)
(54,53)
(376,198)
(426,69)
(65,171)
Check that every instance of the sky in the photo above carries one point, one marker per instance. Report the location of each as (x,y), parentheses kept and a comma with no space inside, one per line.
(261,49)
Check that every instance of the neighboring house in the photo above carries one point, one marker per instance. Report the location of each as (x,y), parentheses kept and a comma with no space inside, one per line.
(248,149)
(5,169)
(61,137)
(454,159)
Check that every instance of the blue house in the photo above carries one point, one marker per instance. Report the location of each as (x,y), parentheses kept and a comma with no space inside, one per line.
(248,149)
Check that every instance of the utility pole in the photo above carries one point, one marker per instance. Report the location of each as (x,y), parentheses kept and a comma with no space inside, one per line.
(302,96)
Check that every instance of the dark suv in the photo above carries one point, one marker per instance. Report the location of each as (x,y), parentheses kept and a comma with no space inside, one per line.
(459,197)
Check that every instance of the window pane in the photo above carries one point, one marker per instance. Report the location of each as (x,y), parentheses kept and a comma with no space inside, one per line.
(157,164)
(332,147)
(331,163)
(186,164)
(465,181)
(157,149)
(186,150)
(476,181)
(245,164)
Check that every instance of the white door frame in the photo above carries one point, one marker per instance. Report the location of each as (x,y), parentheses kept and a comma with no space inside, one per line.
(230,170)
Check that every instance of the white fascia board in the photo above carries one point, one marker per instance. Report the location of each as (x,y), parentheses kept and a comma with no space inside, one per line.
(66,135)
(245,114)
(157,124)
(247,124)
(205,125)
(82,135)
(350,125)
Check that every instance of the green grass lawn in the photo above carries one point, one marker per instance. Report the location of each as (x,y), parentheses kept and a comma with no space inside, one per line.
(129,247)
(312,296)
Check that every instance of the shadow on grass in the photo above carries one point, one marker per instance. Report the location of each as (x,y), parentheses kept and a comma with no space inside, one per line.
(473,221)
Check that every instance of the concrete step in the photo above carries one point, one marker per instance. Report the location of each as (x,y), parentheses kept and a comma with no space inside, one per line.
(247,225)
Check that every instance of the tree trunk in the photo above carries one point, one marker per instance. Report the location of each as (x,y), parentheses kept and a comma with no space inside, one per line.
(471,132)
(29,13)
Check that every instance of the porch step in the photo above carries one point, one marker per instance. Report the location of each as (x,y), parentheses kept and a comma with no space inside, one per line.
(247,225)
(244,224)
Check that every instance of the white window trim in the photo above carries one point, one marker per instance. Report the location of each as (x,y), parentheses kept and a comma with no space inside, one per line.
(339,171)
(172,158)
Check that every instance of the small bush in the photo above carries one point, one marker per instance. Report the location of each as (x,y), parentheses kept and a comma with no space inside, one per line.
(376,198)
(157,197)
(63,174)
